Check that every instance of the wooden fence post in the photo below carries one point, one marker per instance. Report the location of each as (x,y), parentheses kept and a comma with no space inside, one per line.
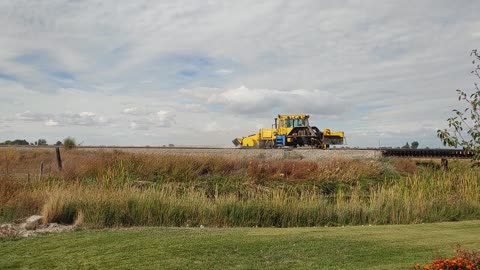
(41,171)
(59,158)
(444,164)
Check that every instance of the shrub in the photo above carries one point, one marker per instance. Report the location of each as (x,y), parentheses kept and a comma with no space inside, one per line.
(472,256)
(463,259)
(448,264)
(69,143)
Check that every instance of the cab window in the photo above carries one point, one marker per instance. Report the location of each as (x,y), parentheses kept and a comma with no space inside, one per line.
(299,123)
(289,123)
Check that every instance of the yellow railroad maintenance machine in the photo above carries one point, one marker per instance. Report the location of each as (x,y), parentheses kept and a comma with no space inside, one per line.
(291,130)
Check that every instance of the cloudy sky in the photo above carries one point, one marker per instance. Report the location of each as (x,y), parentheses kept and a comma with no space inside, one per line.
(111,72)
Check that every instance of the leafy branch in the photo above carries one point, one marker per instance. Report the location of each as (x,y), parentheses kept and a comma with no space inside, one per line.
(464,126)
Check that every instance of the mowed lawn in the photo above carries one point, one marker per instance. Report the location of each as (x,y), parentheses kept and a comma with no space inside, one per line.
(360,247)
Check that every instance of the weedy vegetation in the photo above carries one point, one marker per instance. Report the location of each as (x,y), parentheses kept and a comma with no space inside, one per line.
(114,188)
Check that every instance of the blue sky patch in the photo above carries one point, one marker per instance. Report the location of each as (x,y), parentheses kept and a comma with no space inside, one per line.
(188,73)
(180,70)
(63,75)
(34,58)
(45,63)
(7,77)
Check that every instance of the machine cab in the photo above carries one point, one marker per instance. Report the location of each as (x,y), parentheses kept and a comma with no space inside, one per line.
(285,123)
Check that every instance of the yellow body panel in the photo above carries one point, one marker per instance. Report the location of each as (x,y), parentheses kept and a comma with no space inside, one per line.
(328,133)
(267,133)
(264,134)
(285,126)
(250,141)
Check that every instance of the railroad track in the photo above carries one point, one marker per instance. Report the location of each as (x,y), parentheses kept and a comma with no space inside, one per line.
(429,153)
(386,152)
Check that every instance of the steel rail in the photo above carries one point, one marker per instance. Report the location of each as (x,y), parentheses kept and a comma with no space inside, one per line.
(386,152)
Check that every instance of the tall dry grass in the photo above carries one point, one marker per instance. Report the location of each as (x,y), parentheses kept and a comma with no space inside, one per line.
(103,189)
(441,197)
(117,167)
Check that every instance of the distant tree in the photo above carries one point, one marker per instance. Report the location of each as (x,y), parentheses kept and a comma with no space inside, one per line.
(15,142)
(464,125)
(58,143)
(414,145)
(42,142)
(406,146)
(69,143)
(21,142)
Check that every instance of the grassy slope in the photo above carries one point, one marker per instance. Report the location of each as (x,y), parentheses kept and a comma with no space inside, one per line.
(375,247)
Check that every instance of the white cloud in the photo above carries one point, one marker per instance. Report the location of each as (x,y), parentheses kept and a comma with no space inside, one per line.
(213,127)
(151,121)
(136,111)
(132,110)
(51,123)
(139,126)
(83,119)
(65,119)
(87,114)
(195,108)
(166,118)
(369,66)
(224,71)
(30,116)
(243,100)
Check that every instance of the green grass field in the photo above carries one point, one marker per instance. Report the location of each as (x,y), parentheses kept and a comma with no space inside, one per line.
(358,247)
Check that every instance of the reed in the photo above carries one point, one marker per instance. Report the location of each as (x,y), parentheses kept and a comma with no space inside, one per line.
(112,189)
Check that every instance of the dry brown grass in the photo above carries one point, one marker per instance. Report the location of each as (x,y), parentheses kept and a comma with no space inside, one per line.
(405,165)
(415,199)
(8,188)
(345,170)
(119,167)
(114,188)
(26,161)
(19,198)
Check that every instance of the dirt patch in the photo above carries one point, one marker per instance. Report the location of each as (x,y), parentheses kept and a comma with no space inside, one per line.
(26,230)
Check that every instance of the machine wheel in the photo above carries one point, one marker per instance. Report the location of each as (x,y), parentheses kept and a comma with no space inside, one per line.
(268,144)
(261,144)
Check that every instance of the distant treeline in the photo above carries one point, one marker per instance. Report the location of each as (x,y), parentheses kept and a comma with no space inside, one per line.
(25,142)
(15,142)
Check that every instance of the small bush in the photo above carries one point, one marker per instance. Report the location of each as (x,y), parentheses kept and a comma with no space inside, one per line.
(69,143)
(463,259)
(472,256)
